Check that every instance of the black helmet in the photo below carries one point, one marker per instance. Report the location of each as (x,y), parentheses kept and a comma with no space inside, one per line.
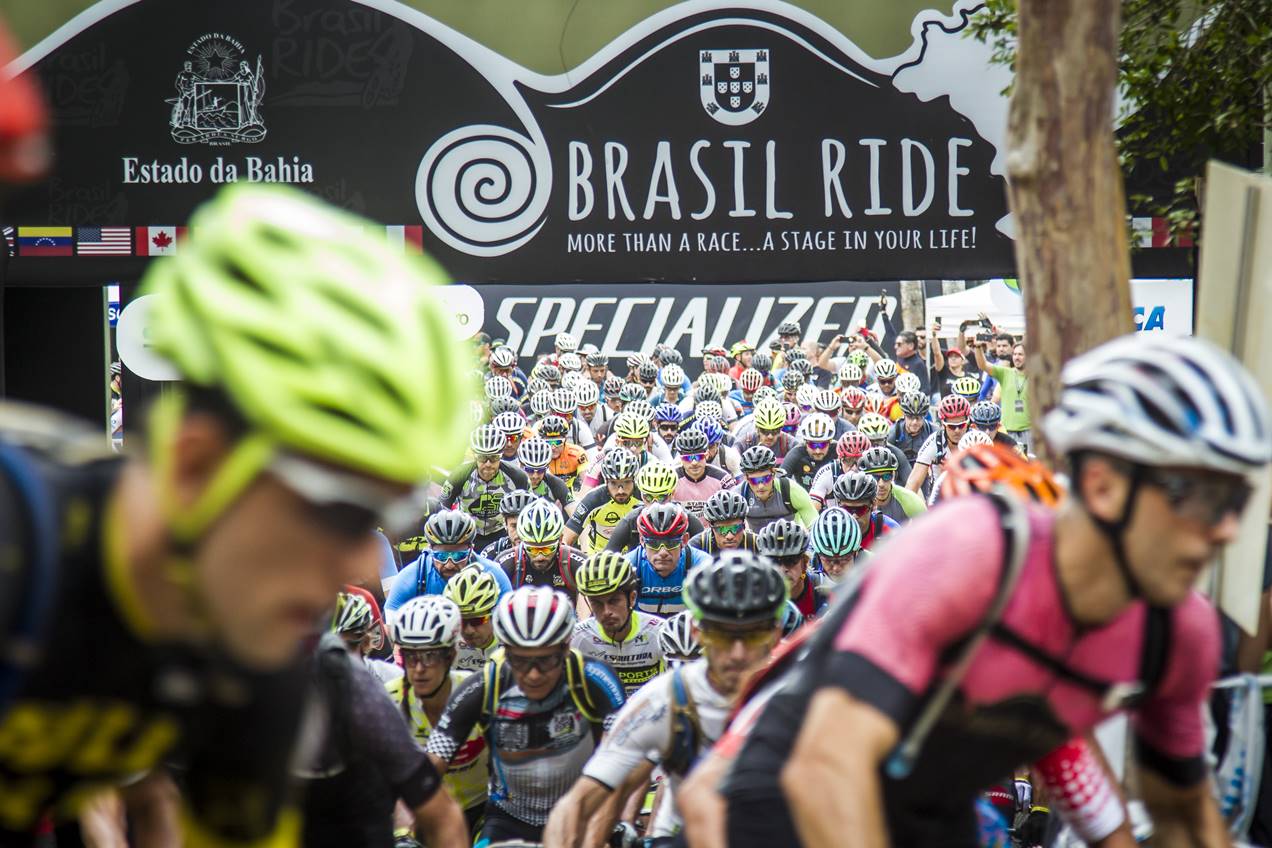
(792,379)
(647,371)
(914,403)
(877,458)
(692,440)
(855,486)
(671,356)
(736,588)
(803,366)
(762,362)
(782,538)
(757,458)
(549,372)
(513,502)
(500,405)
(704,392)
(986,414)
(725,505)
(597,358)
(788,328)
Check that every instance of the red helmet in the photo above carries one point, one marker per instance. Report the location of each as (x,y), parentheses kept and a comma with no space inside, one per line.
(852,445)
(852,397)
(660,520)
(879,404)
(953,407)
(982,467)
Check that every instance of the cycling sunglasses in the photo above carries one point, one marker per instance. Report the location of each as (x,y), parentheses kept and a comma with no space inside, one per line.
(789,561)
(452,556)
(1203,499)
(885,476)
(764,431)
(660,543)
(693,457)
(719,637)
(535,469)
(346,504)
(759,479)
(955,425)
(631,443)
(818,446)
(522,665)
(540,550)
(729,529)
(556,443)
(489,457)
(426,658)
(858,509)
(475,620)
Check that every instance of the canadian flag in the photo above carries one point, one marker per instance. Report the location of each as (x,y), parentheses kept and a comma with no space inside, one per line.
(159,241)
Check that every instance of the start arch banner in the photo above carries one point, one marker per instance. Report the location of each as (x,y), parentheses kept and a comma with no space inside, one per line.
(712,142)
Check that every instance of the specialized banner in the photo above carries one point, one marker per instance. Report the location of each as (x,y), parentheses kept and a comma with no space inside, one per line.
(625,319)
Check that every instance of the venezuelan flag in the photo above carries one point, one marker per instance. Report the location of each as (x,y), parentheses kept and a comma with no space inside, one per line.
(45,241)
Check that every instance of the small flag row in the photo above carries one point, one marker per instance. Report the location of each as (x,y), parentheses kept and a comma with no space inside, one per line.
(143,241)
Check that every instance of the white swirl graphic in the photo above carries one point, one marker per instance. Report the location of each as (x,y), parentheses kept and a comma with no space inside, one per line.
(484,189)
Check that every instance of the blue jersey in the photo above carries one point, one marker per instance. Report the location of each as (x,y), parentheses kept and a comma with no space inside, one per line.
(422,578)
(747,406)
(661,596)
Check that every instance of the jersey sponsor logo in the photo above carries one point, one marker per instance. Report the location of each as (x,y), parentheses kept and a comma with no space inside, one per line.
(512,735)
(563,725)
(94,739)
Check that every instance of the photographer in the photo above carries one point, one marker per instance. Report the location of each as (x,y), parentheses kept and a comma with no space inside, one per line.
(1014,386)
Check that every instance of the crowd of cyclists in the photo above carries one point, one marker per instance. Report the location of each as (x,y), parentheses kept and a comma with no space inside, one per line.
(635,600)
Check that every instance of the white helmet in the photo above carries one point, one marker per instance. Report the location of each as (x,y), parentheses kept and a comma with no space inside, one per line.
(672,375)
(806,394)
(816,427)
(570,362)
(429,621)
(565,343)
(826,401)
(498,387)
(1162,401)
(885,369)
(908,382)
(534,617)
(562,401)
(587,393)
(677,640)
(974,437)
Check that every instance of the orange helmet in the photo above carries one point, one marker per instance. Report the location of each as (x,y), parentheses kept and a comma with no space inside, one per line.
(879,404)
(981,467)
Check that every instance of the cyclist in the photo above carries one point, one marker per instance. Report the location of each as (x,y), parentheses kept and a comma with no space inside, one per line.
(877,428)
(826,401)
(986,416)
(540,558)
(667,422)
(765,428)
(657,483)
(540,705)
(509,508)
(852,404)
(477,487)
(672,384)
(450,537)
(836,540)
(967,387)
(736,602)
(503,363)
(1165,437)
(785,542)
(216,550)
(725,514)
(617,633)
(678,639)
(954,412)
(425,632)
(857,493)
(885,385)
(365,762)
(568,459)
(771,495)
(720,451)
(355,623)
(475,592)
(914,428)
(742,352)
(598,368)
(812,453)
(749,382)
(600,510)
(563,403)
(896,502)
(587,395)
(848,451)
(696,479)
(535,457)
(663,558)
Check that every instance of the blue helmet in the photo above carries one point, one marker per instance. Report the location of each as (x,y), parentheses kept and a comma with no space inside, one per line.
(715,433)
(667,412)
(986,414)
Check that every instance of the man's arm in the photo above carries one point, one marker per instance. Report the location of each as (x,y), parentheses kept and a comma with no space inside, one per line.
(839,750)
(978,350)
(805,512)
(824,361)
(702,806)
(440,822)
(1182,815)
(459,716)
(917,476)
(570,815)
(934,345)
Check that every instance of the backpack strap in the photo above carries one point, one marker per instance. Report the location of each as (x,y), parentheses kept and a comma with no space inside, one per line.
(492,672)
(686,731)
(576,680)
(1156,650)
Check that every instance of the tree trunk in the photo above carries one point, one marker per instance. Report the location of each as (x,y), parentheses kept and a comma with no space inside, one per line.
(1065,188)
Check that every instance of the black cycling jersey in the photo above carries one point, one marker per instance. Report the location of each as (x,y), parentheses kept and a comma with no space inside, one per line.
(559,575)
(705,541)
(553,488)
(802,468)
(369,758)
(625,535)
(908,444)
(100,702)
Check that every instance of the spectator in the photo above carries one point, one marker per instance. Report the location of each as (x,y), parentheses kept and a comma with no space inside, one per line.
(1014,387)
(908,357)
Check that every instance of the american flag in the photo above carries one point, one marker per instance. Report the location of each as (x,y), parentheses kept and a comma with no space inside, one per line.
(103,241)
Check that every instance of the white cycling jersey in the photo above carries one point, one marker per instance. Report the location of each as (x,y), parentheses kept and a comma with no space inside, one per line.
(637,659)
(471,658)
(644,730)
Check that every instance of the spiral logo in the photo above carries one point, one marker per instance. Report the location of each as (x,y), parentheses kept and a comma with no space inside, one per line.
(484,189)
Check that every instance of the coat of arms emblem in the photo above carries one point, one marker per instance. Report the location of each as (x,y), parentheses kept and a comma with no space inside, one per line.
(218,94)
(734,84)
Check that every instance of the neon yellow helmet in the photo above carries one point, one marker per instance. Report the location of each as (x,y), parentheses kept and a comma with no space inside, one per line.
(967,386)
(474,590)
(770,415)
(874,426)
(605,573)
(631,426)
(656,480)
(325,340)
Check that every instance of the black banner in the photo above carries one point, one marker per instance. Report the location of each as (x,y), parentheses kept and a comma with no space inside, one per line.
(633,318)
